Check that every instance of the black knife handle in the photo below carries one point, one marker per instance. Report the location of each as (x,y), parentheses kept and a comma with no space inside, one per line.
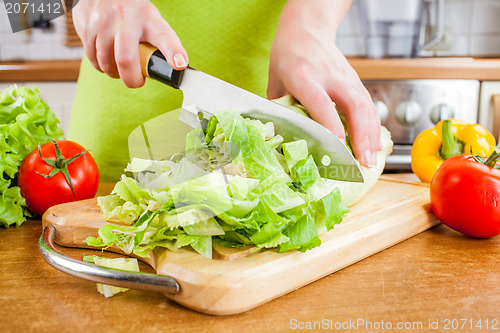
(155,66)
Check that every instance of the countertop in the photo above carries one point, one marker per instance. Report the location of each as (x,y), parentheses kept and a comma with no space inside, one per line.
(41,70)
(483,69)
(432,281)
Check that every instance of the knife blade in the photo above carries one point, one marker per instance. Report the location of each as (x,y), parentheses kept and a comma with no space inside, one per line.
(204,95)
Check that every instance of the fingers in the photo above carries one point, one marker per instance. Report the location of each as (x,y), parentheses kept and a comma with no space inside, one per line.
(96,27)
(84,19)
(306,63)
(111,31)
(105,54)
(127,57)
(362,122)
(364,133)
(275,89)
(351,99)
(320,106)
(160,34)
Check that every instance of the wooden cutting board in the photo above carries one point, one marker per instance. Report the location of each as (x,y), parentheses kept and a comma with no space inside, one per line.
(391,212)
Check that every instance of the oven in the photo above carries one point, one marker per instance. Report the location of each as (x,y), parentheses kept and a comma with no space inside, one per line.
(489,107)
(407,107)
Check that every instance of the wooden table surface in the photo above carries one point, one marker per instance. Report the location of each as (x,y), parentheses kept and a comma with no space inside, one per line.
(436,280)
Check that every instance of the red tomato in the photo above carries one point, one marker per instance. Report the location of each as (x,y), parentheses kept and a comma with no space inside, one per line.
(465,195)
(41,193)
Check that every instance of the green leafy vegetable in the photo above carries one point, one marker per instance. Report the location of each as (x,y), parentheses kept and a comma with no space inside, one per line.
(303,235)
(125,264)
(12,207)
(236,184)
(351,193)
(25,122)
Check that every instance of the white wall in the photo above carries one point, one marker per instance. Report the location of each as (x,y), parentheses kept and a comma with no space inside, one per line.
(472,29)
(35,44)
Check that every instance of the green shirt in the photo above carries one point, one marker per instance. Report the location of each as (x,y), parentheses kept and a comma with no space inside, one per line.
(227,39)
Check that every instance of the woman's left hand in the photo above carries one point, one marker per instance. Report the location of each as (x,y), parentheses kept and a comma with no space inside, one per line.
(306,63)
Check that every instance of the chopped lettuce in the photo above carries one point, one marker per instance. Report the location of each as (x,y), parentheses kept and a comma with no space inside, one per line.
(294,151)
(250,137)
(302,235)
(265,193)
(236,184)
(25,122)
(126,264)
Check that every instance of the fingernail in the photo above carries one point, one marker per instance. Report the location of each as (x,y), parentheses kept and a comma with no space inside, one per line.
(180,61)
(370,158)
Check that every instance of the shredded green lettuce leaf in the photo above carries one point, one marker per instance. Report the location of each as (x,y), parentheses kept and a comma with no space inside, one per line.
(125,264)
(12,207)
(25,122)
(266,193)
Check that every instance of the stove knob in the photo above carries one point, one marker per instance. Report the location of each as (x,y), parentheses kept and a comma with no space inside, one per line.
(441,112)
(382,109)
(408,113)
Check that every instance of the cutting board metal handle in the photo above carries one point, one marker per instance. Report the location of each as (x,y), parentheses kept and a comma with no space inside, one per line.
(99,274)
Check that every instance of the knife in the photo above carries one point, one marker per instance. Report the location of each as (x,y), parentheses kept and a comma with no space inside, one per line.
(204,95)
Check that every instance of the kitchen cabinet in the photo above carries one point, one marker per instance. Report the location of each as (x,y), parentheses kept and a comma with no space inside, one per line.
(40,70)
(482,69)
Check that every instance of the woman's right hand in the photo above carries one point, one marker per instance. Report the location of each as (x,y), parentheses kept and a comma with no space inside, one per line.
(112,29)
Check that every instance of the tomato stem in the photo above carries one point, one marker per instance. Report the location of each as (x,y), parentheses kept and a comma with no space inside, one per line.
(451,145)
(493,159)
(59,156)
(490,161)
(60,164)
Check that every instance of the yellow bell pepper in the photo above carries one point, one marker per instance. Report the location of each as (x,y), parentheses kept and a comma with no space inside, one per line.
(448,138)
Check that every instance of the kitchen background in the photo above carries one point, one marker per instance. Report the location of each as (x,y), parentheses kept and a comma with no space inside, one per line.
(471,30)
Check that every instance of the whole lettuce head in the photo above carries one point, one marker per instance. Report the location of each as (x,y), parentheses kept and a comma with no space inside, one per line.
(352,192)
(25,122)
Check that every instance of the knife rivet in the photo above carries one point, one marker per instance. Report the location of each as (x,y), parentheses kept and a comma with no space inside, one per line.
(325,160)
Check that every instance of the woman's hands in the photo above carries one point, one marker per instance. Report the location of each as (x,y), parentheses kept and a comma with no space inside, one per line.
(112,29)
(306,63)
(304,59)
